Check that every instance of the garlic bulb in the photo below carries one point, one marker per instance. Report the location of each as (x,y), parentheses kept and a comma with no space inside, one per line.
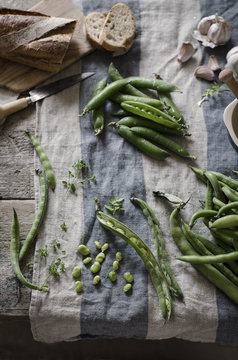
(232,61)
(204,72)
(186,52)
(213,31)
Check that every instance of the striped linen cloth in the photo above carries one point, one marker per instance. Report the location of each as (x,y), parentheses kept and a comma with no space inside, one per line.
(106,311)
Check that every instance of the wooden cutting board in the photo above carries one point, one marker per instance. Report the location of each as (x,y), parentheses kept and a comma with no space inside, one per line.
(20,78)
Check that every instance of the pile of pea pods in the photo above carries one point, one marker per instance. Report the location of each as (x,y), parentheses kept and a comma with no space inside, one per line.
(146,120)
(216,259)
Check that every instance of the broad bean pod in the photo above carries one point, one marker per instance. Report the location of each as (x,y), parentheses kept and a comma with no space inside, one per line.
(157,277)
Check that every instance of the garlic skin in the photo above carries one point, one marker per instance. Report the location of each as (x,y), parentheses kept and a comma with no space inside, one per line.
(186,51)
(213,31)
(204,72)
(232,61)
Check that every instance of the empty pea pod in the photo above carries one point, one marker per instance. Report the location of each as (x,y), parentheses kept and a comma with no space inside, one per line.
(38,219)
(44,159)
(142,144)
(160,139)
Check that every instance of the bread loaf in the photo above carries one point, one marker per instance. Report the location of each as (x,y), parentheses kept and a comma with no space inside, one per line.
(113,31)
(34,39)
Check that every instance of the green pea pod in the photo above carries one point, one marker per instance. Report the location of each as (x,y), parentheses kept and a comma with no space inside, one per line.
(142,144)
(132,121)
(160,139)
(227,207)
(208,270)
(119,98)
(157,277)
(14,252)
(173,110)
(225,222)
(215,184)
(202,214)
(213,259)
(98,113)
(38,219)
(44,159)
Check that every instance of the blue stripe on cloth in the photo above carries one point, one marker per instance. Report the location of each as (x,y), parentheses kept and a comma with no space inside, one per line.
(106,311)
(222,155)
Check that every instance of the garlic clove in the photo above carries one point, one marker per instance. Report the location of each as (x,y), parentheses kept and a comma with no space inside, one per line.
(213,63)
(186,51)
(219,33)
(204,72)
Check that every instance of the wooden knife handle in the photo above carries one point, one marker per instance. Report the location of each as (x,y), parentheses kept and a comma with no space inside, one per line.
(226,76)
(12,107)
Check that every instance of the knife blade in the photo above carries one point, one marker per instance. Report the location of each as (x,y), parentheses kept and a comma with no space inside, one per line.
(41,93)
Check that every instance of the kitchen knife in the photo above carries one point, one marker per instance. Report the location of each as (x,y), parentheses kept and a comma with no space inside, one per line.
(41,93)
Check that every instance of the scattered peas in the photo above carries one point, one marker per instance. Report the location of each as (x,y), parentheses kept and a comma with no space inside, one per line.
(128,277)
(118,256)
(96,279)
(96,266)
(105,247)
(78,286)
(127,287)
(83,250)
(87,260)
(100,257)
(76,271)
(97,244)
(112,276)
(115,265)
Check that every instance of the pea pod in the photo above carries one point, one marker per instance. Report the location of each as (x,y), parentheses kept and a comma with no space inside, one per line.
(119,84)
(210,259)
(202,214)
(208,270)
(44,159)
(98,113)
(14,252)
(144,252)
(142,144)
(119,98)
(132,121)
(161,139)
(227,207)
(225,222)
(38,219)
(173,110)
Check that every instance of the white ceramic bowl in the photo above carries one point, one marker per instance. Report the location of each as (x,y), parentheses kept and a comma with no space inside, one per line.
(230,118)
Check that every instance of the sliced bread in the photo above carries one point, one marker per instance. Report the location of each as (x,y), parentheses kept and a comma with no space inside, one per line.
(118,30)
(94,23)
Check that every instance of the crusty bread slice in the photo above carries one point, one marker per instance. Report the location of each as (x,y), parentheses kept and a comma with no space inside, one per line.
(94,23)
(119,29)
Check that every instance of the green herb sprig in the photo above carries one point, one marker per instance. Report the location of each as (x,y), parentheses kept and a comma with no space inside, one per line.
(116,205)
(212,89)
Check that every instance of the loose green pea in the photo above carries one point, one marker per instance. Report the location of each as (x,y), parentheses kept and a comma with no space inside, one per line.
(127,287)
(115,265)
(118,256)
(128,277)
(100,257)
(87,260)
(96,279)
(78,286)
(95,267)
(105,247)
(83,250)
(76,271)
(97,244)
(112,276)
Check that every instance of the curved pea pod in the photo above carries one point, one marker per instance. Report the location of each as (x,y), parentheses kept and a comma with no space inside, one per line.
(157,277)
(160,139)
(44,159)
(142,144)
(202,214)
(225,222)
(210,259)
